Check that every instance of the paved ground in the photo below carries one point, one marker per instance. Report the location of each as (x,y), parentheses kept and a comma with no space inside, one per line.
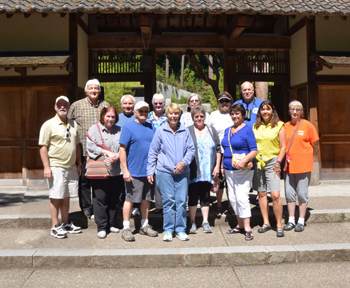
(320,275)
(26,242)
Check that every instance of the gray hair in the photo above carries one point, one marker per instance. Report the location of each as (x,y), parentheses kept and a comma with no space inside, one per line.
(92,82)
(193,95)
(158,96)
(127,95)
(197,109)
(247,82)
(295,103)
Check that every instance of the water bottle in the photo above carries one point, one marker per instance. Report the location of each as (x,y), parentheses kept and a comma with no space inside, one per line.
(108,166)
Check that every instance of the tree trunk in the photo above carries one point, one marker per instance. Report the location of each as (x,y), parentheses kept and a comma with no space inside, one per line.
(166,69)
(262,90)
(182,70)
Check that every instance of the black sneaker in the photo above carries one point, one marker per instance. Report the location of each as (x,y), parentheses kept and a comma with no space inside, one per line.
(299,228)
(58,231)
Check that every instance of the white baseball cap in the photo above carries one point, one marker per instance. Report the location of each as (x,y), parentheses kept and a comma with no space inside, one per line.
(140,105)
(63,98)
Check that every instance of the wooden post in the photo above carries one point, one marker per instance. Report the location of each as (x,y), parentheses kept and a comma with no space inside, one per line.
(210,70)
(312,90)
(230,73)
(73,49)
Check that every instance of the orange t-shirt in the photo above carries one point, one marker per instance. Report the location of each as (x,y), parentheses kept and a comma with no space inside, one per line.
(301,151)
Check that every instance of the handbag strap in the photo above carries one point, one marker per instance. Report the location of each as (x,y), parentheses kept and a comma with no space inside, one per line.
(229,142)
(293,135)
(103,142)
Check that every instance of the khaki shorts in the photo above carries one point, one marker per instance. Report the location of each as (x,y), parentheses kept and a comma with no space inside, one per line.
(64,183)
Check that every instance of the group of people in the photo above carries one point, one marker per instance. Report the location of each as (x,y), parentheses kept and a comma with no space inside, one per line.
(175,159)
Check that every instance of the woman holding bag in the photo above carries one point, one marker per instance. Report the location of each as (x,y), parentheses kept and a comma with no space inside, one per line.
(103,141)
(302,143)
(240,148)
(271,140)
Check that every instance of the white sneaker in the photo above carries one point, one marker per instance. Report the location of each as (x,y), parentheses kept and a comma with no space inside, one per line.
(182,236)
(58,231)
(114,230)
(71,228)
(168,236)
(102,234)
(135,212)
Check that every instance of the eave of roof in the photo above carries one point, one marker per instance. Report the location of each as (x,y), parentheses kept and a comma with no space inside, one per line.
(292,7)
(34,61)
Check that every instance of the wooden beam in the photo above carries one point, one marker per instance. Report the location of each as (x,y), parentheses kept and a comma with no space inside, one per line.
(331,79)
(15,81)
(237,26)
(83,26)
(183,42)
(297,26)
(21,70)
(27,15)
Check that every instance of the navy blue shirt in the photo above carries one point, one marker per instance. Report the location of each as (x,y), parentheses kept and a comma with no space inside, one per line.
(254,106)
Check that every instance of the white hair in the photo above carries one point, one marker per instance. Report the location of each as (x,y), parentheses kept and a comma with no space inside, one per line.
(92,81)
(127,95)
(296,103)
(194,95)
(249,83)
(158,96)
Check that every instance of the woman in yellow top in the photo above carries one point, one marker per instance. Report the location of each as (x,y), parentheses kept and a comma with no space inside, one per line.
(271,139)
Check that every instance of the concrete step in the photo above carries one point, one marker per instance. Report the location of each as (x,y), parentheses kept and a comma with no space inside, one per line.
(35,248)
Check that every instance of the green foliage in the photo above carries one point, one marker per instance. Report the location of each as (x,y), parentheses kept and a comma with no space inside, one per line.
(115,90)
(182,100)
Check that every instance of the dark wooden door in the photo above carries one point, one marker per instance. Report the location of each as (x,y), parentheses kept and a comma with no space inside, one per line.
(23,112)
(334,111)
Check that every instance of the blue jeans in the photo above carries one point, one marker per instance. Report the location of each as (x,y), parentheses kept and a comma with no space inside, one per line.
(173,188)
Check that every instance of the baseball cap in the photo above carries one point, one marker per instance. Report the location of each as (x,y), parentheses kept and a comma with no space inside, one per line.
(63,98)
(140,105)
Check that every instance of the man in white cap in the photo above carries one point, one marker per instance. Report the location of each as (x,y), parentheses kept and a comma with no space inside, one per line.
(59,152)
(135,140)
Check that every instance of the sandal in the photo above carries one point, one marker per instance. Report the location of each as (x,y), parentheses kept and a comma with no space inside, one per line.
(264,228)
(280,232)
(218,211)
(249,236)
(236,230)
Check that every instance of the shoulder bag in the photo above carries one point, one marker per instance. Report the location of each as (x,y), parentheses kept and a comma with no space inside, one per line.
(96,168)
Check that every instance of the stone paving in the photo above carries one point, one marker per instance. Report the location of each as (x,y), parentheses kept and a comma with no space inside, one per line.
(26,241)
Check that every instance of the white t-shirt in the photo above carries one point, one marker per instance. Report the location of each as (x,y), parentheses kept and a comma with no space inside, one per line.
(220,122)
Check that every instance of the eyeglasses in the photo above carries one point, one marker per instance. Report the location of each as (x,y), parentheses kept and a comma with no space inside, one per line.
(224,101)
(143,111)
(194,101)
(296,110)
(158,103)
(67,133)
(198,116)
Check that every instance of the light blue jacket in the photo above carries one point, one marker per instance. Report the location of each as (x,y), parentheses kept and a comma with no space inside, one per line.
(171,148)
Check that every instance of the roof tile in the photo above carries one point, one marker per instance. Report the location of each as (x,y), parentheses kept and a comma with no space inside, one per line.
(327,7)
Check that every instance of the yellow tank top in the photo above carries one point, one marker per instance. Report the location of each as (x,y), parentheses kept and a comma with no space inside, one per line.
(268,142)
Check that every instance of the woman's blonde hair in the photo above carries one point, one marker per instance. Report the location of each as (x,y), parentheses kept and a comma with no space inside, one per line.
(172,107)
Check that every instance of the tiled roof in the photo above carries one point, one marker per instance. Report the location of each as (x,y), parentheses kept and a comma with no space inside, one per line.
(336,60)
(321,7)
(34,61)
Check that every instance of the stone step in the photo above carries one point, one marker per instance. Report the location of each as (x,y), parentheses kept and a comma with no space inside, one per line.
(156,220)
(173,257)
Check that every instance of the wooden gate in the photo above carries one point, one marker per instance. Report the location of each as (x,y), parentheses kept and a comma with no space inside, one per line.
(24,110)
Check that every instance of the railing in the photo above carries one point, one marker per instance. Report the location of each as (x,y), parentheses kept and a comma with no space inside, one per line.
(115,64)
(261,62)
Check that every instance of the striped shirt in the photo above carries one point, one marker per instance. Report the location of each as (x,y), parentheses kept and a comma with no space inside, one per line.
(85,114)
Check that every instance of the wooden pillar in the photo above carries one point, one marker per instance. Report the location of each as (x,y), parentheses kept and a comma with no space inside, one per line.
(166,69)
(150,80)
(73,49)
(312,90)
(182,70)
(230,73)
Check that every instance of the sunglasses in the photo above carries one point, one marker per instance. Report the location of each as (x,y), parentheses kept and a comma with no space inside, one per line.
(67,133)
(224,101)
(158,103)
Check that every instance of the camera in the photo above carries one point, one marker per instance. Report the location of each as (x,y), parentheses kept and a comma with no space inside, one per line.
(248,114)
